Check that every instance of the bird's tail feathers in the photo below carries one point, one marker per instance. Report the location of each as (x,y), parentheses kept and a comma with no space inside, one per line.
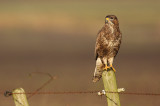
(97,73)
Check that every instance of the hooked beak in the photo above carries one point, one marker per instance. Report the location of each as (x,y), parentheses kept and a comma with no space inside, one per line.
(107,19)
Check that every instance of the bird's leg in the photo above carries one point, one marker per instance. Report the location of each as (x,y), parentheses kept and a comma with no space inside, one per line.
(112,68)
(110,60)
(106,67)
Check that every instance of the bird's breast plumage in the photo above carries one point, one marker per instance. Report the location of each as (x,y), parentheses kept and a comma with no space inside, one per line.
(108,41)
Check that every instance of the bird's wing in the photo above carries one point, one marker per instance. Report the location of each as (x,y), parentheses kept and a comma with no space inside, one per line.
(118,43)
(97,45)
(101,40)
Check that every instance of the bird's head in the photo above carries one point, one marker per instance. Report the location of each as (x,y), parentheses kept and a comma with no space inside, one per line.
(111,20)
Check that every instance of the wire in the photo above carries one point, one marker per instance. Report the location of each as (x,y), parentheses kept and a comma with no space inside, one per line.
(7,93)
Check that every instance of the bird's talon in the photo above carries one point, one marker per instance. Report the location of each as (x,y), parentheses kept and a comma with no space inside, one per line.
(106,68)
(113,69)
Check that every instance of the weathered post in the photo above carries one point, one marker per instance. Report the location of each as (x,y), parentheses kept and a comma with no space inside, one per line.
(110,85)
(19,97)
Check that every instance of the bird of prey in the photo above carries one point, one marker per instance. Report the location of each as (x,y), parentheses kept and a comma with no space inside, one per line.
(107,46)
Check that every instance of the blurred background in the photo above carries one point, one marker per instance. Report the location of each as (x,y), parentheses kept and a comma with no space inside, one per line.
(58,37)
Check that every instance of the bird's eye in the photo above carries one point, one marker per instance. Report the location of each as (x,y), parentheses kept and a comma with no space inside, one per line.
(111,17)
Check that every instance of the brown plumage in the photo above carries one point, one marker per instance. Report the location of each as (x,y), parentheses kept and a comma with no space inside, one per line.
(107,45)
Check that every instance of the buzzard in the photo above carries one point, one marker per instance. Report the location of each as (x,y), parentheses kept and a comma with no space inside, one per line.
(107,45)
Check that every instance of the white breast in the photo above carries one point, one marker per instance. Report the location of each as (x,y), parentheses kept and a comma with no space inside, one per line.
(111,27)
(110,43)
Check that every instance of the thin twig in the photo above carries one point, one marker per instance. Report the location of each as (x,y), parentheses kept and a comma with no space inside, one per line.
(45,84)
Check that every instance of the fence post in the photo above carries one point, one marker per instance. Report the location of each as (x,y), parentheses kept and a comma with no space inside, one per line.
(110,85)
(19,97)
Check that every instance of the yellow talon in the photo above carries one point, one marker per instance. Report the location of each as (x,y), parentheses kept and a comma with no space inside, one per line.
(106,67)
(113,69)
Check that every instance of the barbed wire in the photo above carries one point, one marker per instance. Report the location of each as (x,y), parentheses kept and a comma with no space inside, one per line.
(81,92)
(7,93)
(37,91)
